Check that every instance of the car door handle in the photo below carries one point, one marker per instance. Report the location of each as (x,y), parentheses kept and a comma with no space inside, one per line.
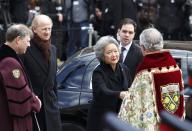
(90,101)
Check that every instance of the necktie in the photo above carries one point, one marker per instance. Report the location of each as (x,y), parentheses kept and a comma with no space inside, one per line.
(121,55)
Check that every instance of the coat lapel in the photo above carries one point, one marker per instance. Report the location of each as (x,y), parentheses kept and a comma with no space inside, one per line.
(125,82)
(37,56)
(52,61)
(52,69)
(129,54)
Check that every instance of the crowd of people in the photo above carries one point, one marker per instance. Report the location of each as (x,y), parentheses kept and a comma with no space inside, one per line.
(132,80)
(149,85)
(72,19)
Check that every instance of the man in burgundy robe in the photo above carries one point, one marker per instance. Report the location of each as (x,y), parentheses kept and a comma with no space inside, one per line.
(17,101)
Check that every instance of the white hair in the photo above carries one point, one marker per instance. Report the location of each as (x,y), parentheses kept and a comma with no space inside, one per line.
(151,39)
(102,43)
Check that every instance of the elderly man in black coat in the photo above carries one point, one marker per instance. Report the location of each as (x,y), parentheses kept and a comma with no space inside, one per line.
(41,65)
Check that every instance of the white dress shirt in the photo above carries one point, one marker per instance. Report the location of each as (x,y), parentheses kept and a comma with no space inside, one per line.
(127,47)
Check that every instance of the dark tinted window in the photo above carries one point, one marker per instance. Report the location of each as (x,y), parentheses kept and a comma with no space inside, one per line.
(74,78)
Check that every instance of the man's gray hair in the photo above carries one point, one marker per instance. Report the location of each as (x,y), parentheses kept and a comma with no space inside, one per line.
(151,39)
(102,43)
(16,30)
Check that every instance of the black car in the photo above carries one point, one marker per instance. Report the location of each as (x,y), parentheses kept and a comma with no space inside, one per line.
(74,83)
(74,89)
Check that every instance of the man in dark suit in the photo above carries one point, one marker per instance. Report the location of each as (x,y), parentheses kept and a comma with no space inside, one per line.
(41,65)
(132,54)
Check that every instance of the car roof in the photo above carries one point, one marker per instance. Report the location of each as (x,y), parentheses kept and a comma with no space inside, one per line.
(180,45)
(84,56)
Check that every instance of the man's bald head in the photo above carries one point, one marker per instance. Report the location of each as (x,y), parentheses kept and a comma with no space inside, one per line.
(39,19)
(42,27)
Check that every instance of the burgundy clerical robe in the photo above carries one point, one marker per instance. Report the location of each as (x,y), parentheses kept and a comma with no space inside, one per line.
(17,101)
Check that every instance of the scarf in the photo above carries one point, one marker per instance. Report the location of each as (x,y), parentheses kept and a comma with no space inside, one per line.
(43,45)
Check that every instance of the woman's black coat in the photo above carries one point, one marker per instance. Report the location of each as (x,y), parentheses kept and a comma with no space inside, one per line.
(107,85)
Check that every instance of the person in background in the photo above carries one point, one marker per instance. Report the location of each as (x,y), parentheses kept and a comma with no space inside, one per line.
(113,11)
(54,9)
(98,20)
(147,12)
(109,81)
(17,100)
(40,62)
(131,52)
(171,24)
(19,11)
(157,86)
(78,14)
(124,9)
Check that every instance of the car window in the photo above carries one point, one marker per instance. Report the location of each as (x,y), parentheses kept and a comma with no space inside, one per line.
(77,73)
(184,60)
(181,59)
(74,78)
(189,69)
